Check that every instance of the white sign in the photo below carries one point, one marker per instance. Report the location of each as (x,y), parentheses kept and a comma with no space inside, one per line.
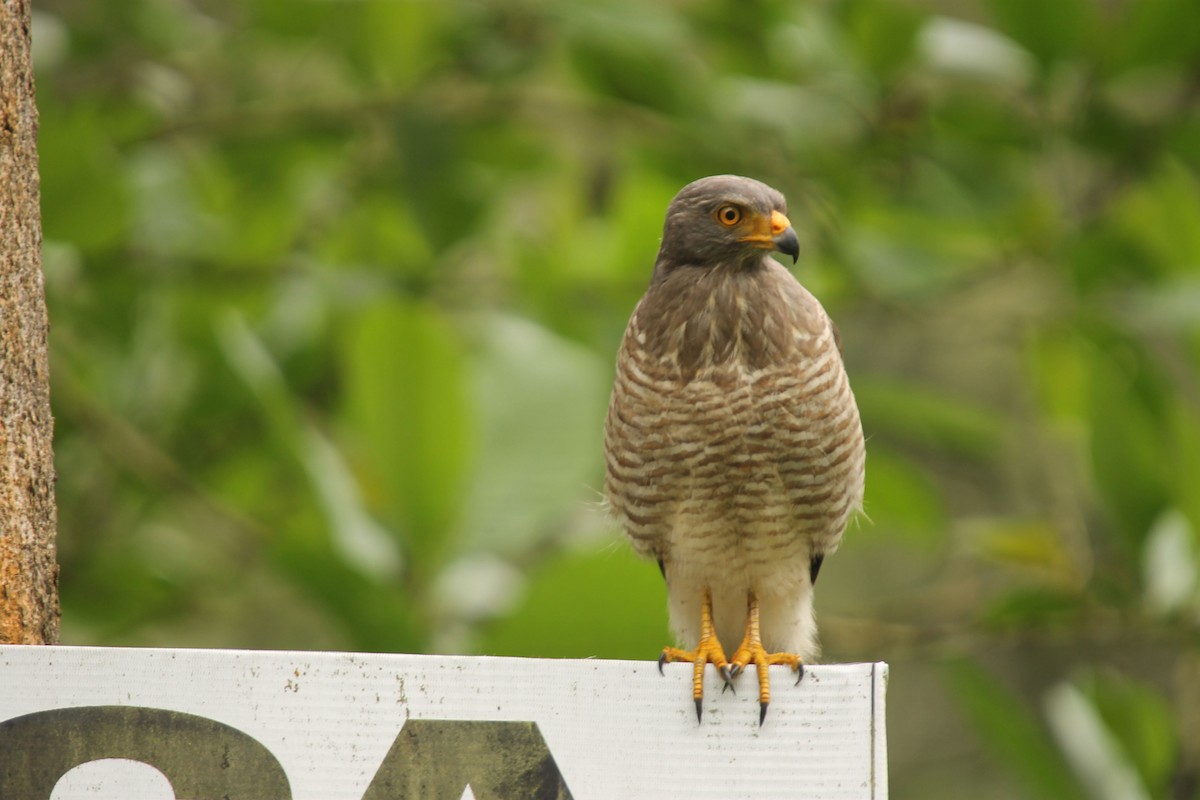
(81,722)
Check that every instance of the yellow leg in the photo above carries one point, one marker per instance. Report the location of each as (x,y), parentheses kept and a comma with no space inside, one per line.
(708,651)
(751,651)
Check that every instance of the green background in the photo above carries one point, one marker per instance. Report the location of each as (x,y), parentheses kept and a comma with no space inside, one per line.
(335,288)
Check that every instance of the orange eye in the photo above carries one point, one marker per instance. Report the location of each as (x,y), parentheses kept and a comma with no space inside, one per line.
(729,215)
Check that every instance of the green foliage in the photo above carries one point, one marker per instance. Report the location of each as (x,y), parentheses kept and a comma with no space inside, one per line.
(335,289)
(1012,732)
(405,396)
(1142,725)
(613,623)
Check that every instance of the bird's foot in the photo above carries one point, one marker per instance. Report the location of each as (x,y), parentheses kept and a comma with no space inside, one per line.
(708,651)
(751,651)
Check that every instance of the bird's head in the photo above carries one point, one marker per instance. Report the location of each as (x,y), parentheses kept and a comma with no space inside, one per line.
(725,220)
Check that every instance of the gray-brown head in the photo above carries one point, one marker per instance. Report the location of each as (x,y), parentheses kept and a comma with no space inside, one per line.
(724,220)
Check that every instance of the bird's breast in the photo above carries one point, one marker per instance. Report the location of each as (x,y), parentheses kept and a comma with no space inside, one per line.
(724,323)
(732,427)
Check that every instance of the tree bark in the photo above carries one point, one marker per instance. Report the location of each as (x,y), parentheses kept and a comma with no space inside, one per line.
(28,568)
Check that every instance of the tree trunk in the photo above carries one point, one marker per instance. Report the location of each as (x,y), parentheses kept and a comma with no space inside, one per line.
(28,568)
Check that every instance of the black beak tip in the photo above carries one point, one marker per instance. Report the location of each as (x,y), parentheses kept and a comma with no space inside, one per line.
(788,244)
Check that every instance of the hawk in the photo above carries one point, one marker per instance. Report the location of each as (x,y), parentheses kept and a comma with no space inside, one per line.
(733,447)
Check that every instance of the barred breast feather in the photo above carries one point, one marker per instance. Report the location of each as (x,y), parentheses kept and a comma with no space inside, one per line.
(733,445)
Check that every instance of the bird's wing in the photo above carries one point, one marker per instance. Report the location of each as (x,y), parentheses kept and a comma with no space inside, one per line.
(820,454)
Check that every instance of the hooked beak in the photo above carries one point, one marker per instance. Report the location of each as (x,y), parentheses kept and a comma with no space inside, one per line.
(788,243)
(781,237)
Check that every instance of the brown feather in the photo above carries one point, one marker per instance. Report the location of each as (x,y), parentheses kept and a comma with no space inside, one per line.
(733,444)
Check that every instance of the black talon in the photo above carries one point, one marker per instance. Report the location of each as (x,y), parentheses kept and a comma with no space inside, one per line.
(661,660)
(762,713)
(799,673)
(699,709)
(735,670)
(727,676)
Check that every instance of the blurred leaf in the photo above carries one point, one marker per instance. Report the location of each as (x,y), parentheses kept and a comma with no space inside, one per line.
(1039,608)
(916,415)
(972,51)
(1151,33)
(1126,437)
(1090,746)
(408,410)
(251,198)
(85,199)
(800,118)
(1051,31)
(359,540)
(478,586)
(374,616)
(1107,257)
(617,609)
(541,408)
(1029,544)
(1059,371)
(1012,733)
(900,496)
(431,151)
(1184,436)
(1147,95)
(167,223)
(379,233)
(644,58)
(618,245)
(1163,214)
(1172,307)
(909,255)
(1138,719)
(882,33)
(138,593)
(1170,562)
(400,38)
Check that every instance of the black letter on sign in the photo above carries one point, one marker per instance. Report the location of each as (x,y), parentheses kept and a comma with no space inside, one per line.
(435,759)
(202,759)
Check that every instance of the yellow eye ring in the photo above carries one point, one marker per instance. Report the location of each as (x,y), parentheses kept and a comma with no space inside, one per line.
(728,215)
